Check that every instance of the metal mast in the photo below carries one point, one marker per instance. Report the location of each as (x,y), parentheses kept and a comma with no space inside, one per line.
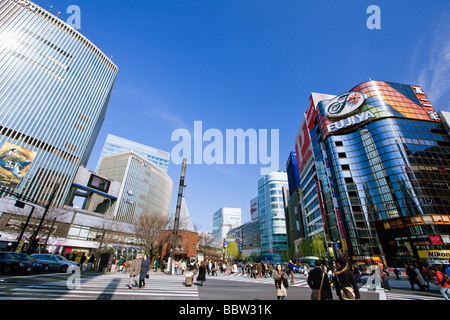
(176,221)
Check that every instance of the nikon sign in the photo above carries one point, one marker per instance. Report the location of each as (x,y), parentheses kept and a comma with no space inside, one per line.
(434,254)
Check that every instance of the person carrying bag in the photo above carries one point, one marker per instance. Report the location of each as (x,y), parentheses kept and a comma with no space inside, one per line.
(345,282)
(319,283)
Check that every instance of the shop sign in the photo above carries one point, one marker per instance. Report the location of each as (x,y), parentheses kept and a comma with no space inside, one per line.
(344,104)
(350,121)
(434,254)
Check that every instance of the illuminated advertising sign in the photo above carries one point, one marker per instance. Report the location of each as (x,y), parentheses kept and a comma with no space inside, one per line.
(373,100)
(14,164)
(303,148)
(254,208)
(344,105)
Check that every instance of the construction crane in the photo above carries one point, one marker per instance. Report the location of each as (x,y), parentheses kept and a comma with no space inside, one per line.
(176,221)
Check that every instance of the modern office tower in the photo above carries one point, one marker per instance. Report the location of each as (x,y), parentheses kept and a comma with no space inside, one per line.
(55,86)
(115,145)
(271,215)
(224,220)
(293,209)
(145,188)
(386,165)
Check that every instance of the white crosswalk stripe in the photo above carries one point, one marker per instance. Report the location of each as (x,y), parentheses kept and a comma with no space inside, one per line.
(110,286)
(298,282)
(402,296)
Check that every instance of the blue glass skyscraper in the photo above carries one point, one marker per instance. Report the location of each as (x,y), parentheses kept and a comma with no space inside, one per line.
(55,86)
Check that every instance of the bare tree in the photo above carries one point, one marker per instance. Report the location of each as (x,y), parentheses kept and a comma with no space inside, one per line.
(147,230)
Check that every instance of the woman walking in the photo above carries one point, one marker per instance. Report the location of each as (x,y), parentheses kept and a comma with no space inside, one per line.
(281,282)
(202,273)
(143,273)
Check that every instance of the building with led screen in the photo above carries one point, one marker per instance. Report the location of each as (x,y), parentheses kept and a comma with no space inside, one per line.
(55,86)
(385,182)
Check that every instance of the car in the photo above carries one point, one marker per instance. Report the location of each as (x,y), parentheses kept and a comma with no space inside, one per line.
(37,266)
(10,263)
(56,262)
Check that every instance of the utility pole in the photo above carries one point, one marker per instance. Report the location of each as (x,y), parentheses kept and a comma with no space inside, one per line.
(30,248)
(176,221)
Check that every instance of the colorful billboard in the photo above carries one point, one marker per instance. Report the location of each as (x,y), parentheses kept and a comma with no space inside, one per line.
(14,164)
(373,100)
(303,148)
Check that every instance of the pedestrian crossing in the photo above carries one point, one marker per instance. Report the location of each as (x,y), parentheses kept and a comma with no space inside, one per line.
(403,296)
(104,287)
(298,281)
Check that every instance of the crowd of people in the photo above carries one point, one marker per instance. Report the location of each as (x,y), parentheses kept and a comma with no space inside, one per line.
(321,279)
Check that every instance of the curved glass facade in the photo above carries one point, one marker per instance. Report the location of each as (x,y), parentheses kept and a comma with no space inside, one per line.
(389,173)
(54,90)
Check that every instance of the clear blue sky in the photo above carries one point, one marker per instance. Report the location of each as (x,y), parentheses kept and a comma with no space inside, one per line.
(251,64)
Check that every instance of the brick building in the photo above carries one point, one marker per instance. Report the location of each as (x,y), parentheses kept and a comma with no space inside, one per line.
(186,244)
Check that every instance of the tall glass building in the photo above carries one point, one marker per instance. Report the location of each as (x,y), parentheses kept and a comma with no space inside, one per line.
(55,86)
(273,240)
(385,174)
(115,145)
(224,220)
(145,188)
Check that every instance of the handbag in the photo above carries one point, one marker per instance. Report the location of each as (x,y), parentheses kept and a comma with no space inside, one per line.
(315,294)
(147,276)
(347,293)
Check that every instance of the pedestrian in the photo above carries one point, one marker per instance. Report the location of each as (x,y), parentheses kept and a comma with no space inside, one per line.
(214,268)
(180,266)
(318,281)
(447,270)
(134,269)
(270,269)
(291,270)
(397,273)
(384,276)
(259,271)
(120,263)
(175,267)
(91,262)
(82,260)
(345,282)
(281,282)
(156,265)
(234,269)
(442,282)
(412,276)
(143,273)
(202,273)
(420,279)
(183,267)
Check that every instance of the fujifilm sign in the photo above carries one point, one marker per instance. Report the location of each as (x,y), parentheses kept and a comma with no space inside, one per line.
(346,104)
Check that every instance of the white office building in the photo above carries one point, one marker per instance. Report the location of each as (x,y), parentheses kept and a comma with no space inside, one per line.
(224,220)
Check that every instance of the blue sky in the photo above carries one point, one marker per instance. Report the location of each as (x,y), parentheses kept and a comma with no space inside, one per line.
(251,64)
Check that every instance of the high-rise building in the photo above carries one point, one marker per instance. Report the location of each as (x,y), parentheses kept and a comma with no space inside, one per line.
(382,161)
(294,218)
(225,219)
(114,145)
(145,188)
(55,86)
(271,215)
